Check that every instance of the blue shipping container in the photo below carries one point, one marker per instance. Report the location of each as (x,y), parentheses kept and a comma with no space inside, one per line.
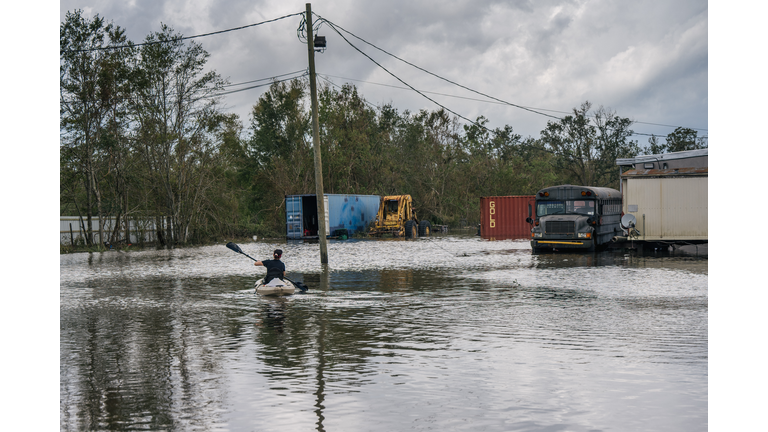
(350,212)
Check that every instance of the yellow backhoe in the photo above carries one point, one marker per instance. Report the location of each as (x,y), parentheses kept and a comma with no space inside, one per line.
(397,216)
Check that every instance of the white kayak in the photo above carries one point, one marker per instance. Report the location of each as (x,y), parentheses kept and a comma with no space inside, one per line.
(275,287)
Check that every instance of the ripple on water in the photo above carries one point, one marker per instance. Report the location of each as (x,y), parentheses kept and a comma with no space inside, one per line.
(448,333)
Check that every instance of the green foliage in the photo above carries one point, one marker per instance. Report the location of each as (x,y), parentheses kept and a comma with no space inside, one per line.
(351,142)
(92,109)
(142,133)
(277,160)
(587,146)
(681,139)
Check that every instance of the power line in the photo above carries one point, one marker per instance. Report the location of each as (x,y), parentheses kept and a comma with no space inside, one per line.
(257,86)
(270,78)
(398,78)
(487,101)
(424,70)
(181,38)
(334,27)
(324,78)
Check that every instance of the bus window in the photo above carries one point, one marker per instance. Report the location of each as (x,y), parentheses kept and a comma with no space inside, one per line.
(549,207)
(584,207)
(581,207)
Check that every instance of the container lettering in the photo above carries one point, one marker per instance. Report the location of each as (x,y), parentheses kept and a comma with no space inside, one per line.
(492,211)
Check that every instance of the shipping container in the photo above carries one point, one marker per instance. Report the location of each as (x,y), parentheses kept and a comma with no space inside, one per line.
(503,217)
(352,213)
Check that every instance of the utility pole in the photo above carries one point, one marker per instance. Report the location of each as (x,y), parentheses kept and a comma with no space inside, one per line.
(316,142)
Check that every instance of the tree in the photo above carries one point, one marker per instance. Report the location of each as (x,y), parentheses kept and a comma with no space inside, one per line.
(350,137)
(91,84)
(177,123)
(587,146)
(278,156)
(681,139)
(427,153)
(654,146)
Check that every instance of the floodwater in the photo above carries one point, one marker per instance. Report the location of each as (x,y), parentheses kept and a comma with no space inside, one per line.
(447,333)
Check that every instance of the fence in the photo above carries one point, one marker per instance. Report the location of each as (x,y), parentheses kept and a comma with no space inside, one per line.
(73,230)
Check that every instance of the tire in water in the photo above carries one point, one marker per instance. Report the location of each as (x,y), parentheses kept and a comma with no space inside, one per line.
(425,228)
(410,229)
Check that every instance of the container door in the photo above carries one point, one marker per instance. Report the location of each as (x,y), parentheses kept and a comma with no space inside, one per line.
(327,219)
(293,219)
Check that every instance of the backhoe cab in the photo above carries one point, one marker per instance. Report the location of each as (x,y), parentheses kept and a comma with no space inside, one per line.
(397,216)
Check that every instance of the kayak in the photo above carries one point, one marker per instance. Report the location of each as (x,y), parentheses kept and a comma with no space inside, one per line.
(276,288)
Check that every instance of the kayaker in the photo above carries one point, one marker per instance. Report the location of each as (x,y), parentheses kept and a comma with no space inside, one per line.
(275,267)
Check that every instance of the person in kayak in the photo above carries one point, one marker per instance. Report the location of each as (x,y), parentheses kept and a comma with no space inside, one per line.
(275,267)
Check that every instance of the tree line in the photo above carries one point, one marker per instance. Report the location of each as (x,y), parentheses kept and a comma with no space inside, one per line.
(144,137)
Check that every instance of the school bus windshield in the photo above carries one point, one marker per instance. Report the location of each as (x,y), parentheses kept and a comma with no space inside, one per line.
(584,207)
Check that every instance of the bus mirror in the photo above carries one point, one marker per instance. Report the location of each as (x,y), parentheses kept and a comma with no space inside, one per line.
(529,220)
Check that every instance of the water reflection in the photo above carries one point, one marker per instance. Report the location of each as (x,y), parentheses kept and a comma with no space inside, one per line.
(464,329)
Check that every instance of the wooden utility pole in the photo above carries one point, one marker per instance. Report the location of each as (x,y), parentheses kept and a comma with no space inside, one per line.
(316,142)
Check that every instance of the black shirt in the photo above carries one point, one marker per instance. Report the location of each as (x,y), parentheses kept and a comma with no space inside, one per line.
(275,269)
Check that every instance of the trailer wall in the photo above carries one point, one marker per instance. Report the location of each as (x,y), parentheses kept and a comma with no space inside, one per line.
(73,230)
(667,208)
(343,211)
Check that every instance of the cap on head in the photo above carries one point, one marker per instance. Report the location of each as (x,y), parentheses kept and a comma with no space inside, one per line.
(278,253)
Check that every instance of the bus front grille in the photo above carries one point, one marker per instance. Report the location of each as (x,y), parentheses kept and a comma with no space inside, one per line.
(559,227)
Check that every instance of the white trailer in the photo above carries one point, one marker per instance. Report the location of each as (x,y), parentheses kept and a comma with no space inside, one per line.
(668,196)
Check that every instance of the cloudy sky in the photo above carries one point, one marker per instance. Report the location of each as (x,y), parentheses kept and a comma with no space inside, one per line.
(646,60)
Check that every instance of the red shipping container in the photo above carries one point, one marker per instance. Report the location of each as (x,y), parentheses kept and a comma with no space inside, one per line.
(503,217)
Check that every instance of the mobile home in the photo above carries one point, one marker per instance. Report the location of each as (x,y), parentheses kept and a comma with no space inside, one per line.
(668,196)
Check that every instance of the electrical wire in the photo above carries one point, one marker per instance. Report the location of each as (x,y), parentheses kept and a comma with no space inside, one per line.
(256,86)
(426,71)
(399,79)
(325,78)
(336,29)
(487,101)
(270,78)
(182,38)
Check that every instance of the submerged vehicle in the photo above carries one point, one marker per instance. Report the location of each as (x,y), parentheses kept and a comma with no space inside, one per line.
(277,287)
(397,216)
(572,217)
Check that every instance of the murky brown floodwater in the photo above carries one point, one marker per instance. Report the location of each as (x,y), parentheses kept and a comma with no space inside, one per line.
(448,333)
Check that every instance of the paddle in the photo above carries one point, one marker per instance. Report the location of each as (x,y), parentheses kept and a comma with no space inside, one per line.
(237,249)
